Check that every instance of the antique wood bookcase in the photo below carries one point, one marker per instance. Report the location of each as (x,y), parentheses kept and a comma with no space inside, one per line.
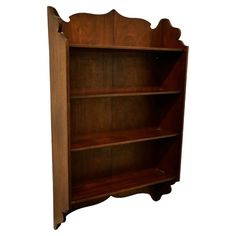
(117,106)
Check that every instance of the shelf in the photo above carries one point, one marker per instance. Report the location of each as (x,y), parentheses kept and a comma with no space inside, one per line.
(119,92)
(116,184)
(99,140)
(133,48)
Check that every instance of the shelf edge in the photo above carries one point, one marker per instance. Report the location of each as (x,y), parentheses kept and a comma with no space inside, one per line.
(123,142)
(74,96)
(129,48)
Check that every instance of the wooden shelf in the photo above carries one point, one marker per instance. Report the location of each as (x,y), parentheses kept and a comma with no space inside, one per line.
(119,92)
(99,140)
(129,48)
(116,184)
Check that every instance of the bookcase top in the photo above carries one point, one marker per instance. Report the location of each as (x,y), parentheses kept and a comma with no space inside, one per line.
(113,29)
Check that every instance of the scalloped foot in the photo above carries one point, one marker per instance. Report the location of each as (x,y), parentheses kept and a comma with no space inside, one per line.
(58,221)
(159,190)
(56,226)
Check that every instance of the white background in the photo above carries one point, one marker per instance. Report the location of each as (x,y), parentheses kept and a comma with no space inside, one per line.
(203,203)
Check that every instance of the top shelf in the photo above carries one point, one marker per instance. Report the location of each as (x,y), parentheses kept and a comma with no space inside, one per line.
(133,48)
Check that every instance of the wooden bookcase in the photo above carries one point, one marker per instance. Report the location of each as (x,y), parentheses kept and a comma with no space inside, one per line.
(117,105)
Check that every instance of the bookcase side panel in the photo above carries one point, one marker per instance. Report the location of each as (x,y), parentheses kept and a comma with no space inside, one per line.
(58,46)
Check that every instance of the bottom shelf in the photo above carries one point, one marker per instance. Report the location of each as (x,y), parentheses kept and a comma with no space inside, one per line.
(116,184)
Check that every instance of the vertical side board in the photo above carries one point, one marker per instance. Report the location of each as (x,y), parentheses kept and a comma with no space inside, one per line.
(184,74)
(59,51)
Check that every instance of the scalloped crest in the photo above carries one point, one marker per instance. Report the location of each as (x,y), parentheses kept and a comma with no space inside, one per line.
(114,29)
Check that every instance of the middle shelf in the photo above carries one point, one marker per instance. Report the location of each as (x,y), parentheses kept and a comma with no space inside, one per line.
(105,139)
(120,92)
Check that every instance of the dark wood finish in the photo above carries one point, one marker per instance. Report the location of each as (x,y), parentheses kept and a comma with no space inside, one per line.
(117,99)
(127,48)
(112,185)
(99,69)
(102,162)
(120,92)
(90,141)
(88,116)
(112,29)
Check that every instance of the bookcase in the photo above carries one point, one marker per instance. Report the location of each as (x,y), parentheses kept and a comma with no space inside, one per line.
(117,107)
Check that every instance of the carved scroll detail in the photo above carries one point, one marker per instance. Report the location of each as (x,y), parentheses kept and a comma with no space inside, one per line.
(113,29)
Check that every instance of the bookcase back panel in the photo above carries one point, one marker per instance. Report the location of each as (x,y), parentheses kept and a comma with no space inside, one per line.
(138,156)
(108,29)
(107,69)
(106,162)
(86,28)
(90,164)
(115,29)
(122,113)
